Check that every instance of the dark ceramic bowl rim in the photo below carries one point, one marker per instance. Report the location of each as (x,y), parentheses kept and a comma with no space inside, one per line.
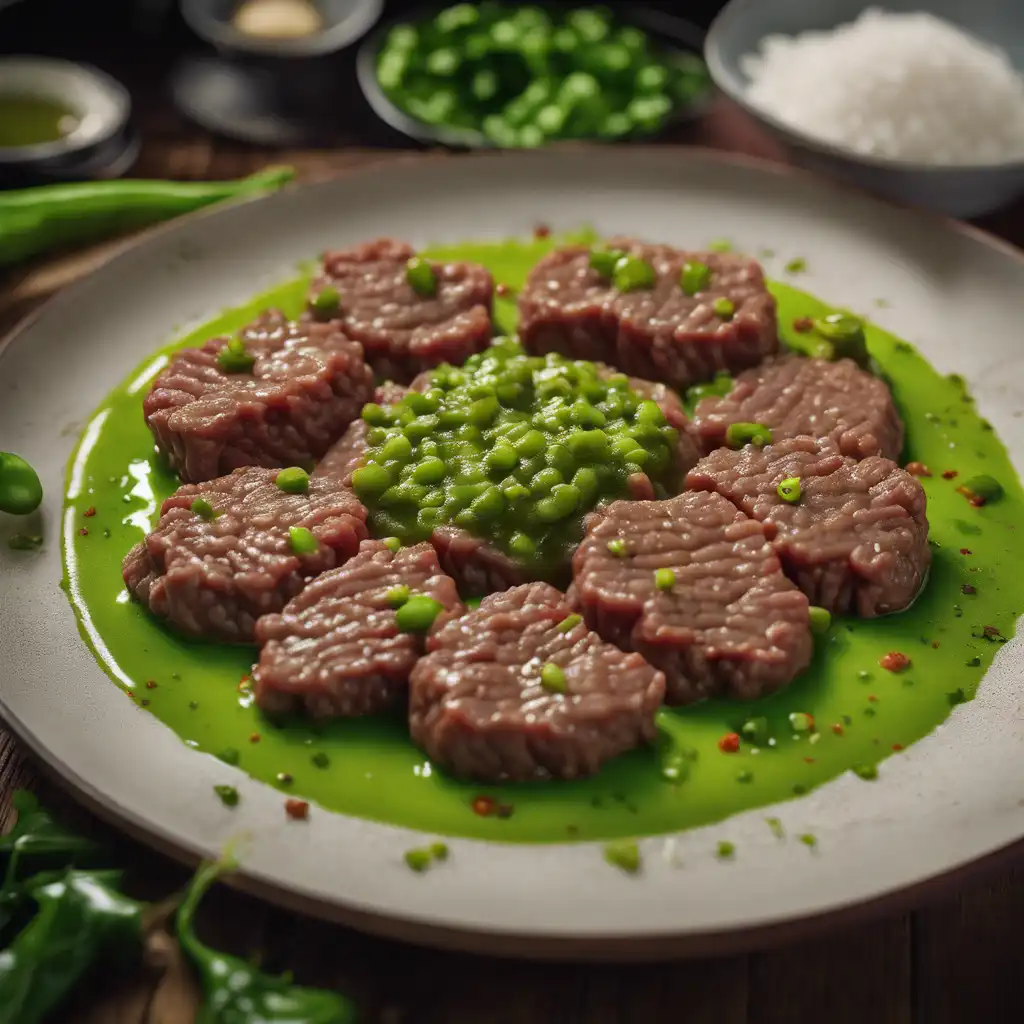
(331,39)
(69,148)
(688,37)
(726,79)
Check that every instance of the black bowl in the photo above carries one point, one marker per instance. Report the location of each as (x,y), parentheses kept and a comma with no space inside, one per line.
(666,30)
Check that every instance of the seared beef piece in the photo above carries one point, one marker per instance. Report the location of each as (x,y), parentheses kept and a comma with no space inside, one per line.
(401,331)
(796,396)
(658,333)
(730,625)
(307,384)
(336,648)
(855,542)
(478,706)
(215,577)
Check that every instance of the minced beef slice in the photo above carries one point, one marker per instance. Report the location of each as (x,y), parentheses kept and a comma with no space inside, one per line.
(658,333)
(478,708)
(732,625)
(796,396)
(335,649)
(215,578)
(401,331)
(855,542)
(308,383)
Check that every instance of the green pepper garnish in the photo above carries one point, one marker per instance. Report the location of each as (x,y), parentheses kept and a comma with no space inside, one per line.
(623,854)
(820,619)
(738,435)
(293,480)
(327,301)
(724,308)
(664,579)
(302,541)
(632,273)
(235,991)
(845,334)
(202,508)
(20,489)
(604,261)
(789,490)
(418,613)
(694,278)
(234,358)
(552,678)
(421,277)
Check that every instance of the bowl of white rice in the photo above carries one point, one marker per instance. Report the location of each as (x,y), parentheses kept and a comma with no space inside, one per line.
(922,103)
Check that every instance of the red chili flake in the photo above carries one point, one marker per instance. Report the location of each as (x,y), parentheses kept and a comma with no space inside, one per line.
(89,512)
(150,684)
(872,698)
(809,760)
(990,631)
(803,324)
(838,729)
(502,289)
(918,469)
(297,809)
(968,589)
(83,532)
(254,738)
(897,747)
(935,645)
(484,806)
(729,743)
(976,500)
(965,551)
(541,231)
(894,661)
(245,685)
(950,474)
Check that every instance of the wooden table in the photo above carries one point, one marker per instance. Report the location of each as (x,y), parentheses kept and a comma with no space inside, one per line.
(952,963)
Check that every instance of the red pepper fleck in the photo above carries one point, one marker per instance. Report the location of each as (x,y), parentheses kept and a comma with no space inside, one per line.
(502,289)
(803,324)
(729,743)
(950,474)
(965,551)
(254,738)
(974,499)
(809,760)
(935,645)
(894,661)
(245,684)
(897,747)
(872,698)
(83,532)
(918,469)
(838,729)
(297,809)
(968,589)
(990,631)
(541,231)
(89,512)
(150,684)
(484,806)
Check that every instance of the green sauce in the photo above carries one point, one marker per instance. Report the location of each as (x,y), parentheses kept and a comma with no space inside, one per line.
(860,713)
(33,121)
(515,449)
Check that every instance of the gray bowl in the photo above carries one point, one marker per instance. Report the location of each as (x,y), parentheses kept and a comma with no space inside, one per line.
(958,190)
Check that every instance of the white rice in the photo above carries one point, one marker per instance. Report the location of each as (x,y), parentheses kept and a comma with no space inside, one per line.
(907,87)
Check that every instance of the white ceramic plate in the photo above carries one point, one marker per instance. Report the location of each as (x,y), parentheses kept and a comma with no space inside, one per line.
(950,800)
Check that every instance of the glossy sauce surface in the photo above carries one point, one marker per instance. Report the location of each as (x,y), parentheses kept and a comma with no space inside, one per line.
(861,713)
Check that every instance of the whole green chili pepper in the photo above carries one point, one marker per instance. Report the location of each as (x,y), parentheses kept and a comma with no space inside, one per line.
(47,217)
(20,489)
(37,841)
(81,918)
(237,992)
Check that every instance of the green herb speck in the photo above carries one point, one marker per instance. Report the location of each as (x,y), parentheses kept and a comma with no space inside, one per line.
(725,850)
(623,854)
(775,825)
(228,795)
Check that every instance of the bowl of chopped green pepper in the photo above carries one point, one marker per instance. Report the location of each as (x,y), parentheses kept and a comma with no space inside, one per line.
(511,76)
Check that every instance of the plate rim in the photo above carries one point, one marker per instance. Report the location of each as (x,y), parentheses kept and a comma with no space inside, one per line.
(561,946)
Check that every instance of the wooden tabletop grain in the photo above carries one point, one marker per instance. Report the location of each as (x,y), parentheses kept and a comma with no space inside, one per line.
(955,962)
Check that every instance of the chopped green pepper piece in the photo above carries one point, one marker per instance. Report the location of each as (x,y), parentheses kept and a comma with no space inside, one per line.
(552,678)
(820,618)
(293,480)
(421,277)
(327,301)
(417,614)
(694,278)
(664,579)
(632,273)
(623,854)
(233,357)
(302,541)
(740,434)
(202,508)
(789,489)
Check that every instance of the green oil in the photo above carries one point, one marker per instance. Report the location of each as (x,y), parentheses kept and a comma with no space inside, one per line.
(862,713)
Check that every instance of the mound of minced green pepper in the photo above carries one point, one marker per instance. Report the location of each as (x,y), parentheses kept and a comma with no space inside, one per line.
(515,449)
(522,76)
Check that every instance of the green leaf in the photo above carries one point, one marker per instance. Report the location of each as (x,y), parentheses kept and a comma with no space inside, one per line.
(237,992)
(82,919)
(40,841)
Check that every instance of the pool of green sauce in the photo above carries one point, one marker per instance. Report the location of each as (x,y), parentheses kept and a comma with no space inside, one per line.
(863,713)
